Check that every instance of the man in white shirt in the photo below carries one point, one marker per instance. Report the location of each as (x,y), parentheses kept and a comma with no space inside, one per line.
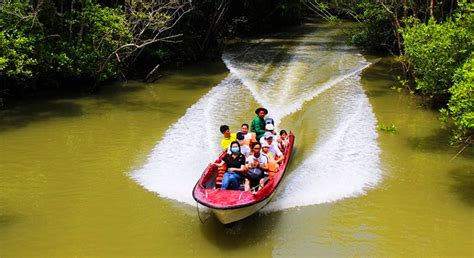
(276,152)
(257,163)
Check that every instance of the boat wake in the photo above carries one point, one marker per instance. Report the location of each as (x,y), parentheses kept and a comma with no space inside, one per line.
(344,161)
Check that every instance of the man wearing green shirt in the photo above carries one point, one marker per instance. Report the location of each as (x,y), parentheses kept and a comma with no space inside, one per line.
(258,123)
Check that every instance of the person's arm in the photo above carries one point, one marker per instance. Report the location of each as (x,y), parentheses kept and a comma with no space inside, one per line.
(243,167)
(280,158)
(278,155)
(264,165)
(219,164)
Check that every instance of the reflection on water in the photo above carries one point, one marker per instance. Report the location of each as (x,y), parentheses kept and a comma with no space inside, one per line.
(66,164)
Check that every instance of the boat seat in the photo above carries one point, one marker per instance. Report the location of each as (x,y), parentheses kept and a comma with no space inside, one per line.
(220,174)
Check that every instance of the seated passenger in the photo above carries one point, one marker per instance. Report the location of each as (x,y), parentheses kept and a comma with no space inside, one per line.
(271,128)
(257,163)
(269,120)
(244,149)
(228,137)
(249,137)
(235,168)
(258,123)
(266,135)
(277,154)
(272,164)
(283,140)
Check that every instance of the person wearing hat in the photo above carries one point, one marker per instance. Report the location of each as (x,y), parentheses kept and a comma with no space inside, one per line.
(270,128)
(258,123)
(270,139)
(266,135)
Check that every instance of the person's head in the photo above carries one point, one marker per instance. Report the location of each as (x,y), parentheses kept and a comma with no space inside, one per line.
(261,112)
(256,147)
(234,147)
(269,127)
(283,134)
(240,137)
(268,136)
(244,128)
(265,147)
(225,130)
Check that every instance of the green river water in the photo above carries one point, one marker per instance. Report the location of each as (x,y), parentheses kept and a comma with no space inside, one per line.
(111,175)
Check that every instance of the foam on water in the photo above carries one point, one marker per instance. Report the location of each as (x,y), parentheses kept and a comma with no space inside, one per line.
(345,161)
(179,160)
(344,164)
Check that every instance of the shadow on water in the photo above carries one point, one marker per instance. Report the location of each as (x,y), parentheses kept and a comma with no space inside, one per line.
(372,93)
(22,115)
(241,234)
(377,73)
(437,142)
(464,183)
(64,104)
(7,219)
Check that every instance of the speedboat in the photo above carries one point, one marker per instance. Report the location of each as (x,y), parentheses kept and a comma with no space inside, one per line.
(233,205)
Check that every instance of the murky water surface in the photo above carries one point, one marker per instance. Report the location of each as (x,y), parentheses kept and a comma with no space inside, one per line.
(112,174)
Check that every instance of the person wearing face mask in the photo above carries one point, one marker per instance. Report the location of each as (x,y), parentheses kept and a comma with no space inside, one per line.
(235,162)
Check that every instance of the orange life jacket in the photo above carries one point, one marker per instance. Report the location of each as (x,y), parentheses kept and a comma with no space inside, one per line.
(272,165)
(220,174)
(254,137)
(248,141)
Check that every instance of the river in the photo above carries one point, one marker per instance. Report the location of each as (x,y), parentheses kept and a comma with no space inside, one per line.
(111,174)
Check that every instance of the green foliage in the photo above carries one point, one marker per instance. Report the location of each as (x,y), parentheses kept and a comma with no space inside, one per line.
(387,128)
(16,51)
(289,12)
(97,31)
(79,42)
(436,50)
(17,43)
(461,105)
(375,29)
(441,56)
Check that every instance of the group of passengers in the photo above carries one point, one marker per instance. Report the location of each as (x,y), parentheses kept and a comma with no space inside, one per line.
(252,157)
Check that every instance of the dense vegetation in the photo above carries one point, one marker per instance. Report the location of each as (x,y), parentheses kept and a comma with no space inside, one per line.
(435,43)
(66,44)
(57,43)
(440,54)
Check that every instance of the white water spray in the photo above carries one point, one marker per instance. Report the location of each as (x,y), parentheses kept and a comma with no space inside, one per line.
(343,163)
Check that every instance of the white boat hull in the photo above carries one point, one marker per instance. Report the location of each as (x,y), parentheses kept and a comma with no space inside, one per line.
(231,215)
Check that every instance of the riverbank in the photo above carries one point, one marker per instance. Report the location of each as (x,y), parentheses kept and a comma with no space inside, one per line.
(68,165)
